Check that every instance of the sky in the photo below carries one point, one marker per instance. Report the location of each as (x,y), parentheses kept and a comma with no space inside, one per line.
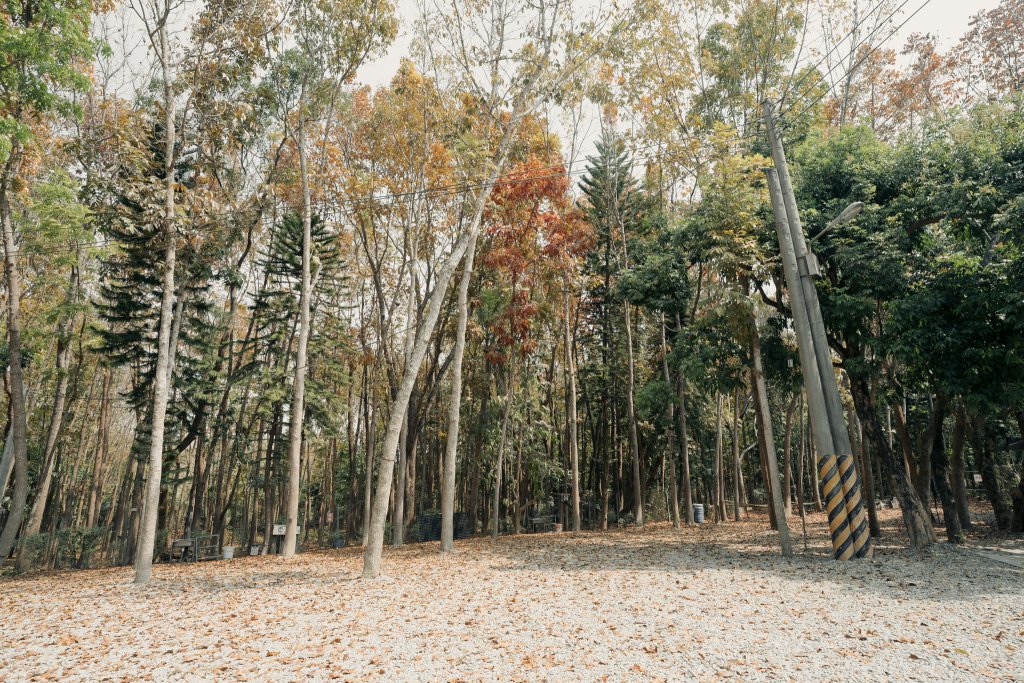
(946,19)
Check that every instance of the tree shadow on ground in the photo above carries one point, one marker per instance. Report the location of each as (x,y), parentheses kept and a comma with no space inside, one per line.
(941,572)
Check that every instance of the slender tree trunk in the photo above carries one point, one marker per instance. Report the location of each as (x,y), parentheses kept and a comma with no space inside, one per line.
(7,460)
(801,463)
(99,470)
(19,442)
(862,458)
(634,447)
(787,451)
(985,458)
(940,467)
(671,429)
(925,477)
(957,477)
(571,418)
(915,516)
(736,454)
(374,547)
(455,406)
(500,465)
(299,381)
(369,457)
(162,379)
(398,495)
(35,518)
(767,438)
(719,469)
(684,442)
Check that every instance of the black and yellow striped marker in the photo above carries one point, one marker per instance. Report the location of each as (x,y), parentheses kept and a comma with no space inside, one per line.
(856,515)
(834,499)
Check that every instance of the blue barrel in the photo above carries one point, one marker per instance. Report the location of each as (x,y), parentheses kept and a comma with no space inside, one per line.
(698,513)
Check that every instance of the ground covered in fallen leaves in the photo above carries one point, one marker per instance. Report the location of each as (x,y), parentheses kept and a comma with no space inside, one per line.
(649,604)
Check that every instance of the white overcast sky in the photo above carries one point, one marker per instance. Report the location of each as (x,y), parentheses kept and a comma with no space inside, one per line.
(945,19)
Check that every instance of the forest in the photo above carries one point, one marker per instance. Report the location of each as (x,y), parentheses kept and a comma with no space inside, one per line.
(531,279)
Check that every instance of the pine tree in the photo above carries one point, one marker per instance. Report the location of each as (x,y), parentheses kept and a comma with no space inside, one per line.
(613,206)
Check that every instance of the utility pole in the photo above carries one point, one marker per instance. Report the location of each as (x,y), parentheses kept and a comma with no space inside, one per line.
(836,469)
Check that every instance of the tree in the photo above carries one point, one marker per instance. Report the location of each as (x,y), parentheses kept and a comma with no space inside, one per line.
(332,40)
(46,46)
(613,207)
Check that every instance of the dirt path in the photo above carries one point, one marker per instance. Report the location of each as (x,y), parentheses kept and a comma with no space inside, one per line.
(654,604)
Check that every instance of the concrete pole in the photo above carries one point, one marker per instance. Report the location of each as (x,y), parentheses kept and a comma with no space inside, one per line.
(806,269)
(828,467)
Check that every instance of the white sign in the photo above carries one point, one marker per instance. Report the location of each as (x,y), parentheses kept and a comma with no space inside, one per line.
(279,530)
(977,478)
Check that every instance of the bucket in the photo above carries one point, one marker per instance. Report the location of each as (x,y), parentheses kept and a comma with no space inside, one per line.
(255,549)
(557,527)
(698,513)
(229,552)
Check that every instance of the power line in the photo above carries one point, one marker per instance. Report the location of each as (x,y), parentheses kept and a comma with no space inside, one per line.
(862,59)
(835,47)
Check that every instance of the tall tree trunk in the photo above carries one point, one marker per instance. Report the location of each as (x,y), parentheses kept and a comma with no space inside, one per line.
(767,441)
(957,476)
(925,478)
(634,447)
(915,516)
(671,430)
(369,457)
(398,495)
(374,547)
(571,419)
(299,381)
(455,406)
(736,454)
(500,465)
(863,460)
(985,458)
(19,442)
(719,468)
(475,462)
(787,452)
(162,379)
(940,467)
(684,441)
(35,518)
(100,468)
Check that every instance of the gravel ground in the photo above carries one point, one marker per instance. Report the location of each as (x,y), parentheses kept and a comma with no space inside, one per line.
(623,605)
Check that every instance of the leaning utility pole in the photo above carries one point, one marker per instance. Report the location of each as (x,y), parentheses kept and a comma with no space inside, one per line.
(836,469)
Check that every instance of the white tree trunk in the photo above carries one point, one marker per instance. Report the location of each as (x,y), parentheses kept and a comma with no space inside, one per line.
(670,457)
(574,450)
(455,406)
(719,470)
(161,382)
(768,443)
(299,381)
(35,518)
(19,443)
(634,446)
(379,508)
(499,467)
